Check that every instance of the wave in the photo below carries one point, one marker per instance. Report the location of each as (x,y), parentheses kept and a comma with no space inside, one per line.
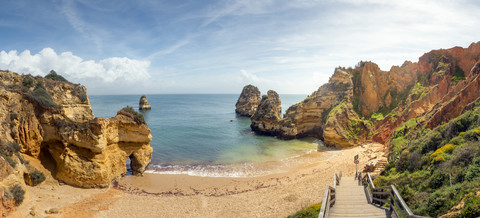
(251,169)
(243,170)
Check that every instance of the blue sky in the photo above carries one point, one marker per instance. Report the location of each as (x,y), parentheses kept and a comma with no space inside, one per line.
(291,46)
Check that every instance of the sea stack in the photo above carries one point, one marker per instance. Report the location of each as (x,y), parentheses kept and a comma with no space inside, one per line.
(268,114)
(143,105)
(248,101)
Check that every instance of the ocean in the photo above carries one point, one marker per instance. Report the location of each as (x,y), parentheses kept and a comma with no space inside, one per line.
(200,135)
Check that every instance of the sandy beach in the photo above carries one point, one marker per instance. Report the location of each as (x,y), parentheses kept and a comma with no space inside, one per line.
(163,195)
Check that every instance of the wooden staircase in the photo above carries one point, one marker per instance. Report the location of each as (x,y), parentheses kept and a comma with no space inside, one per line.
(351,201)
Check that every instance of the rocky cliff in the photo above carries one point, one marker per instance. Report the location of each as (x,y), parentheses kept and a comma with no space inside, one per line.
(53,121)
(365,103)
(248,101)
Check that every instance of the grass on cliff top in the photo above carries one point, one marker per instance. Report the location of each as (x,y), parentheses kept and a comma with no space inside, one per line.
(28,81)
(42,97)
(54,76)
(137,117)
(435,169)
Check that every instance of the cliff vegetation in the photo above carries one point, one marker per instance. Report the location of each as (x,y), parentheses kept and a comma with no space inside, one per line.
(437,169)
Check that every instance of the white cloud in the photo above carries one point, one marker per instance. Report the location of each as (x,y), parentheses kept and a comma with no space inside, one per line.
(250,77)
(74,67)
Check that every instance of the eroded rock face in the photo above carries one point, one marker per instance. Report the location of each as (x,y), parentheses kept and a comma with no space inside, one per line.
(94,153)
(87,151)
(449,81)
(143,105)
(248,101)
(268,114)
(437,88)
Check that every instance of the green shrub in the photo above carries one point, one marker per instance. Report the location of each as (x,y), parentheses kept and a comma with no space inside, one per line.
(431,141)
(42,97)
(402,163)
(377,116)
(474,170)
(7,151)
(463,155)
(472,135)
(54,76)
(12,148)
(311,211)
(28,81)
(18,193)
(459,74)
(37,177)
(10,160)
(438,179)
(415,161)
(458,140)
(137,117)
(472,206)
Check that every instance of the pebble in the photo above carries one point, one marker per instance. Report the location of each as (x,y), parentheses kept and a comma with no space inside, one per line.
(52,211)
(32,212)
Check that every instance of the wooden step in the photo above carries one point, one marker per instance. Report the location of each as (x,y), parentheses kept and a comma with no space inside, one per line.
(351,201)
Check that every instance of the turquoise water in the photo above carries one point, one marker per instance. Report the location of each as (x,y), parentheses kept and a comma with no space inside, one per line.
(202,135)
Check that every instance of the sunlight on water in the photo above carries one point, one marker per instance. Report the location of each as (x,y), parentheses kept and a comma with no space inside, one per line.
(269,150)
(201,135)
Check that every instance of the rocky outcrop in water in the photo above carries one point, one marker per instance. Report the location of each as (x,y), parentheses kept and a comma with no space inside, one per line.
(366,103)
(143,104)
(53,120)
(248,101)
(268,114)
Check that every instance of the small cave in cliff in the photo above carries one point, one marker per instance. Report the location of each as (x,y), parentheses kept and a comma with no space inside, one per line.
(46,159)
(134,166)
(128,162)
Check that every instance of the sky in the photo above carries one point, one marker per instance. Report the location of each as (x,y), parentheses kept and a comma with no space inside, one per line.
(197,47)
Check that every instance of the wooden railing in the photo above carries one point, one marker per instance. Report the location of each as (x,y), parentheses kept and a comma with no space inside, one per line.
(329,196)
(385,195)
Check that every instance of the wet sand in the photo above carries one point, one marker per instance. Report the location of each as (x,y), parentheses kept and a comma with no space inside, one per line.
(163,195)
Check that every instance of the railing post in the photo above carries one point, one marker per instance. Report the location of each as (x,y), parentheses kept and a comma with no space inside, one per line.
(324,202)
(334,181)
(327,210)
(392,199)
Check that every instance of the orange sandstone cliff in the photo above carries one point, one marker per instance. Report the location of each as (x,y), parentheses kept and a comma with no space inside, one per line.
(365,103)
(53,121)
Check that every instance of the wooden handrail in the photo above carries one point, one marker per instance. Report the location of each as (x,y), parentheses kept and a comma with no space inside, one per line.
(329,196)
(377,196)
